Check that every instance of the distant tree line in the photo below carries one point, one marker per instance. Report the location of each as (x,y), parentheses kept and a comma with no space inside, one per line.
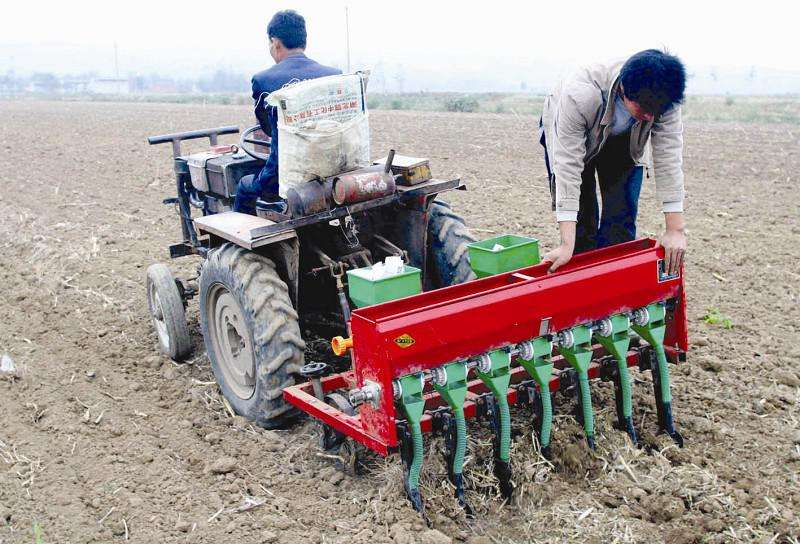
(48,83)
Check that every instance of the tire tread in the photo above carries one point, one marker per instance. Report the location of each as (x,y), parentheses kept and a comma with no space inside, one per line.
(448,237)
(279,348)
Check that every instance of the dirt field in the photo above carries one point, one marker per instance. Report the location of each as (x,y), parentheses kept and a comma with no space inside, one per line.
(103,440)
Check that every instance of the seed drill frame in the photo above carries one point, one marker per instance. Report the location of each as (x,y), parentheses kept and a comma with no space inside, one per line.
(426,363)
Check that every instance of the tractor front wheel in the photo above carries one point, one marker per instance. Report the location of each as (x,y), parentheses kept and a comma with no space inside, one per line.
(251,333)
(168,312)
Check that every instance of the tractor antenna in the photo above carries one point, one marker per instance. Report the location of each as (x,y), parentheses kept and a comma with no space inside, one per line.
(116,61)
(347,35)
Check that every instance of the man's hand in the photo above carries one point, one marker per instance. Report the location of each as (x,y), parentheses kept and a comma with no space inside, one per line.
(558,256)
(563,253)
(674,242)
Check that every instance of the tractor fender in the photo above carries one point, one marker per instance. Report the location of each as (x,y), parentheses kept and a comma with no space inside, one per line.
(282,248)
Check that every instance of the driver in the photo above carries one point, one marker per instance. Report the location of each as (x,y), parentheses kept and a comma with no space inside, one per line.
(287,43)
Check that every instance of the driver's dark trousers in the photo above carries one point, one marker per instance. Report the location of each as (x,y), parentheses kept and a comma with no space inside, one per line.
(620,181)
(251,188)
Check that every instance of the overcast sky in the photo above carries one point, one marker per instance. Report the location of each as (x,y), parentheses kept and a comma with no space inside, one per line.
(420,37)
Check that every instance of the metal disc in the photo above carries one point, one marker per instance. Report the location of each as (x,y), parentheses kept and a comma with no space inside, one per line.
(232,341)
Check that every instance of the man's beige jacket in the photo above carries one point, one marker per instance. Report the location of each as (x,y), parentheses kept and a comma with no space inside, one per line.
(577,120)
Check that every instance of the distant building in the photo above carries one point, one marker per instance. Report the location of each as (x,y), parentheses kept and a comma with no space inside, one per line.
(109,86)
(74,85)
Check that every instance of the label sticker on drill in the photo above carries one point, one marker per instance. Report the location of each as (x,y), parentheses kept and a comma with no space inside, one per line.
(404,341)
(662,273)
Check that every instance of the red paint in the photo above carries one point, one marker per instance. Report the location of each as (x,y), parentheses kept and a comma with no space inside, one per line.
(362,185)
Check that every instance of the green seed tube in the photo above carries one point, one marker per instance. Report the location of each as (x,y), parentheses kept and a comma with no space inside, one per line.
(497,380)
(505,428)
(413,405)
(653,333)
(461,441)
(540,367)
(625,384)
(454,392)
(547,418)
(617,343)
(663,373)
(586,404)
(579,356)
(416,464)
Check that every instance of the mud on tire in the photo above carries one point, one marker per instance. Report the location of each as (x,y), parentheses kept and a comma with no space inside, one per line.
(448,256)
(251,333)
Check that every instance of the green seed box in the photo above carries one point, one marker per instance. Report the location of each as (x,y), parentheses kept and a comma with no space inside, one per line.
(517,252)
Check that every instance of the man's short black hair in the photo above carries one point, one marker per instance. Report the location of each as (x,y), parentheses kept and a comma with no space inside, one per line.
(654,79)
(289,27)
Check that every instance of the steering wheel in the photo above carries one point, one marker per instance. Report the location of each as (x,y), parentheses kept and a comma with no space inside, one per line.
(245,138)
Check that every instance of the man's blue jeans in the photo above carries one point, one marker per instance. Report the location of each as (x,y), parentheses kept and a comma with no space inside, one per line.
(620,182)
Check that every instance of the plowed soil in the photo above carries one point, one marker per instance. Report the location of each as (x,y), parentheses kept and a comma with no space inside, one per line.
(104,440)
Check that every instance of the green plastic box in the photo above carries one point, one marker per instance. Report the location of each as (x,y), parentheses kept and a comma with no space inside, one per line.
(366,292)
(518,252)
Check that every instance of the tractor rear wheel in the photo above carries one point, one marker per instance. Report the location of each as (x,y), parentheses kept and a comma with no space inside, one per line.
(167,310)
(448,255)
(251,333)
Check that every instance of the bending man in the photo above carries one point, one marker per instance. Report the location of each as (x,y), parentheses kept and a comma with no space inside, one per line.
(595,128)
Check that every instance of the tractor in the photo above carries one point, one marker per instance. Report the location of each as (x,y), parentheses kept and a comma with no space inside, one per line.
(271,282)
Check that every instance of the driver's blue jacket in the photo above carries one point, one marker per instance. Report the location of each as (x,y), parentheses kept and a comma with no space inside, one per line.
(295,67)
